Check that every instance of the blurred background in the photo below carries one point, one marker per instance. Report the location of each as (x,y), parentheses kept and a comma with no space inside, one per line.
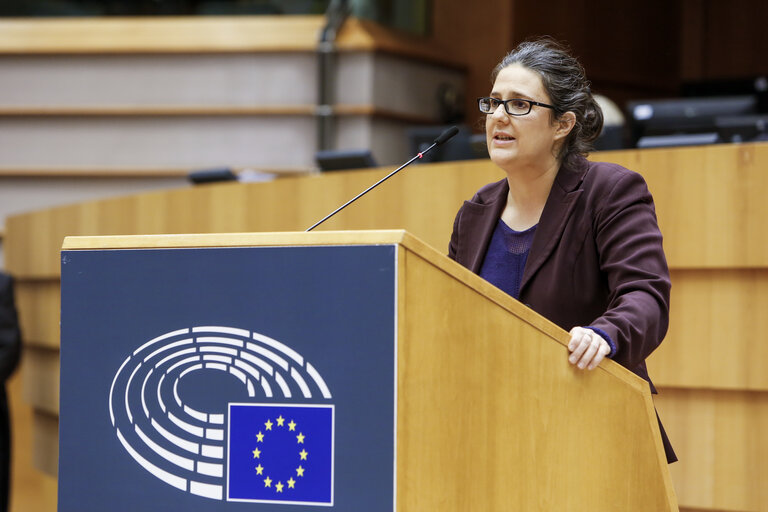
(105,99)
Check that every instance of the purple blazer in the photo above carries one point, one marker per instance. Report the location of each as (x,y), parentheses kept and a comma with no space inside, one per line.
(596,260)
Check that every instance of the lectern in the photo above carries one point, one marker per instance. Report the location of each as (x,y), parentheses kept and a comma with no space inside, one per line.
(355,371)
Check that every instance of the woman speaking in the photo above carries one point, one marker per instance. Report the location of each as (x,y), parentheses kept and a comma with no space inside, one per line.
(576,241)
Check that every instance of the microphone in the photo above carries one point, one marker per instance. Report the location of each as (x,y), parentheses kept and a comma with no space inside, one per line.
(441,139)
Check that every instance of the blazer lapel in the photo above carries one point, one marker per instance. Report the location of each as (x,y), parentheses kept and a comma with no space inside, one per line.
(476,226)
(557,210)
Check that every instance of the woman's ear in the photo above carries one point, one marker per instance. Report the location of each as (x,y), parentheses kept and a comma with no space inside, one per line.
(565,124)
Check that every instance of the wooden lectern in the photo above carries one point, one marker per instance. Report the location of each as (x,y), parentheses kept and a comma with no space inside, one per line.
(356,370)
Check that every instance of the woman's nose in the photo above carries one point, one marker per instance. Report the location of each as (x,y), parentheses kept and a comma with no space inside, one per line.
(500,113)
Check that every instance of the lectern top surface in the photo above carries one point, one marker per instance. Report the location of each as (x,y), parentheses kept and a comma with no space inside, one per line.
(372,237)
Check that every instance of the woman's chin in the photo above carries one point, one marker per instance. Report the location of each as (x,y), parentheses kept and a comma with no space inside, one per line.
(503,157)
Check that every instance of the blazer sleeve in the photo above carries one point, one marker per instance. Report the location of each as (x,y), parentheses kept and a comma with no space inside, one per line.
(10,335)
(632,259)
(454,243)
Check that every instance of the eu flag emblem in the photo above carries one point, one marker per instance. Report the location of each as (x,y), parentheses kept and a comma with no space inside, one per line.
(281,453)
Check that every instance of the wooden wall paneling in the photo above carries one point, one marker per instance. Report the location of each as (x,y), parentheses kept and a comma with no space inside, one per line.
(709,200)
(736,41)
(692,35)
(31,490)
(162,34)
(706,197)
(629,49)
(720,439)
(38,304)
(711,340)
(46,442)
(41,379)
(455,340)
(478,34)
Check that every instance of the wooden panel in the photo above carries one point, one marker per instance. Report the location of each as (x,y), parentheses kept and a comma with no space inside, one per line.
(210,110)
(711,340)
(710,207)
(41,379)
(206,34)
(158,110)
(686,182)
(461,441)
(46,436)
(736,40)
(31,490)
(38,302)
(475,43)
(93,172)
(720,437)
(161,34)
(710,202)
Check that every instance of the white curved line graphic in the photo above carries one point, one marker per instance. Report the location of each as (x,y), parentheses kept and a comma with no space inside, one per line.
(283,385)
(301,382)
(285,349)
(168,347)
(182,445)
(172,356)
(223,341)
(182,462)
(266,387)
(112,389)
(319,381)
(258,362)
(224,330)
(178,482)
(161,338)
(282,363)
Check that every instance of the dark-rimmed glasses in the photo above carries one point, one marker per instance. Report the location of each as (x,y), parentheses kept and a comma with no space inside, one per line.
(512,106)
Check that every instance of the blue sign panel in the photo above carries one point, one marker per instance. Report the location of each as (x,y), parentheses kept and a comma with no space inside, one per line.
(228,379)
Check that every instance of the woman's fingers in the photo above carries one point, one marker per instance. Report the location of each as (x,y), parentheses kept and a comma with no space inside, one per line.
(587,348)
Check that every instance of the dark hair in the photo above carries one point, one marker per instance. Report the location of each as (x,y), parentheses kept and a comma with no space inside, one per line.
(568,89)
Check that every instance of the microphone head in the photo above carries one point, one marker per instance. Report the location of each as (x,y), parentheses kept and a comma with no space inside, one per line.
(447,134)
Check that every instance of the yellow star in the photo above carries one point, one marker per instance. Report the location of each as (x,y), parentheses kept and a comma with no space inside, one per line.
(279,487)
(291,483)
(260,437)
(256,453)
(303,454)
(269,424)
(267,482)
(280,421)
(259,470)
(292,426)
(300,437)
(299,471)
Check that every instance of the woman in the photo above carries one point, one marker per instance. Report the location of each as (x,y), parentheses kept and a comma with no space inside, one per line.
(576,241)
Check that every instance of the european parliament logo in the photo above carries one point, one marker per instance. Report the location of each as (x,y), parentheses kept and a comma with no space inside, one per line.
(229,441)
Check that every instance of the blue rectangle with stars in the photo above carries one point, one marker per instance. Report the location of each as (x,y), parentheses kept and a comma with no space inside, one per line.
(281,453)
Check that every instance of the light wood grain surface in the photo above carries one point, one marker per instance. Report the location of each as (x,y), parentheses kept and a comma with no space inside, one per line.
(206,34)
(711,212)
(482,427)
(466,346)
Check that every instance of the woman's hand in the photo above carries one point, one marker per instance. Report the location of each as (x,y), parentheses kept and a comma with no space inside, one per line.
(587,348)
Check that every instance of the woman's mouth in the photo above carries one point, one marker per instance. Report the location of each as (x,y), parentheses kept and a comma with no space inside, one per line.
(503,137)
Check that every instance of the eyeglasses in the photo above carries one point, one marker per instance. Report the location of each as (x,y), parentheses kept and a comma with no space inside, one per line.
(513,106)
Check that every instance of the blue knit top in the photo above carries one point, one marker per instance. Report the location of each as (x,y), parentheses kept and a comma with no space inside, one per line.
(505,262)
(506,256)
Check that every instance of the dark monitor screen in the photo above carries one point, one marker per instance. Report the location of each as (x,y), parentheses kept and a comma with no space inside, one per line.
(744,128)
(344,159)
(684,115)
